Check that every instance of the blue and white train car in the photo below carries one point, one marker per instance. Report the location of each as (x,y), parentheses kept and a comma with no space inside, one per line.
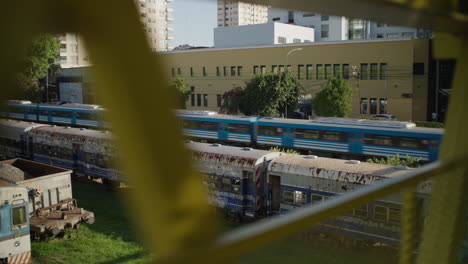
(66,114)
(355,136)
(15,245)
(213,126)
(235,178)
(297,180)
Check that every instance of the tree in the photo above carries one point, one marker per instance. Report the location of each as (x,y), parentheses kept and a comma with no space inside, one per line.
(182,92)
(334,100)
(269,94)
(232,100)
(42,52)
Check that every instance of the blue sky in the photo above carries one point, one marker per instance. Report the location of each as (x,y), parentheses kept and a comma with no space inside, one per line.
(194,21)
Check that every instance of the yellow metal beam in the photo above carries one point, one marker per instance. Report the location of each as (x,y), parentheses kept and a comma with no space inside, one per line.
(444,228)
(169,204)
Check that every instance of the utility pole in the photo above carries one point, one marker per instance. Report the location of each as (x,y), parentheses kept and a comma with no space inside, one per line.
(357,76)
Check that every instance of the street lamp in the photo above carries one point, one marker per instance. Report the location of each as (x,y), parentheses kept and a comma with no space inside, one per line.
(47,80)
(286,70)
(291,51)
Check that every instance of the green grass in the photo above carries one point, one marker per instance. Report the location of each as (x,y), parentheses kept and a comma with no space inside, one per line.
(297,250)
(111,240)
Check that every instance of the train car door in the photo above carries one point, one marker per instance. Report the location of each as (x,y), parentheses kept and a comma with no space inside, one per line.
(223,131)
(354,144)
(288,139)
(275,183)
(78,158)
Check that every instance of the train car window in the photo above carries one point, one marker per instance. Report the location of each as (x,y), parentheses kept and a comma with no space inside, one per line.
(64,114)
(18,215)
(307,133)
(316,198)
(236,185)
(380,213)
(87,116)
(414,143)
(381,140)
(394,216)
(16,110)
(299,198)
(334,136)
(361,212)
(43,112)
(226,184)
(270,131)
(239,128)
(288,196)
(31,111)
(204,125)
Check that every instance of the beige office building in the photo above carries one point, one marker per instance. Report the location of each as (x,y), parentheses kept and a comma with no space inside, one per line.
(393,73)
(234,13)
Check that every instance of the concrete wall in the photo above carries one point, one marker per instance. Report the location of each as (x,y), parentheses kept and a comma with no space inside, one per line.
(260,34)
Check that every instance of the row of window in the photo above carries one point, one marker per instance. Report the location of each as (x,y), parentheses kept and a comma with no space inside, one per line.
(55,113)
(367,71)
(326,135)
(374,106)
(383,214)
(395,141)
(196,100)
(99,160)
(9,142)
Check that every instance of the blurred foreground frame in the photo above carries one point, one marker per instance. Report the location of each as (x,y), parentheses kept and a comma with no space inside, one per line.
(170,206)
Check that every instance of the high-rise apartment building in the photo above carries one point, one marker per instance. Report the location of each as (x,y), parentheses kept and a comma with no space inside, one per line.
(155,16)
(234,13)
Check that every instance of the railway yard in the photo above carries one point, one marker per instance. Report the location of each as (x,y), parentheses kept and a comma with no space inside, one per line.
(111,239)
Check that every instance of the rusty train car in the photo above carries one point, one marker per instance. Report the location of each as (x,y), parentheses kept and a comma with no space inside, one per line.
(249,184)
(244,183)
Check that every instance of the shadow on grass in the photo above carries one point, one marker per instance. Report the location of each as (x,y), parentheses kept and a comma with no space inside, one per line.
(108,206)
(127,258)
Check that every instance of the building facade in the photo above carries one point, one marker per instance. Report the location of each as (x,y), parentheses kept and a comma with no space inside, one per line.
(393,73)
(233,13)
(261,34)
(334,28)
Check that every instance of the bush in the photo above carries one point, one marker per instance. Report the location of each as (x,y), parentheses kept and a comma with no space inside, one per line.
(429,124)
(397,161)
(287,151)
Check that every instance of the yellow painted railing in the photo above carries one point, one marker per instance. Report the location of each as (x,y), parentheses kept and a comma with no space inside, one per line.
(169,205)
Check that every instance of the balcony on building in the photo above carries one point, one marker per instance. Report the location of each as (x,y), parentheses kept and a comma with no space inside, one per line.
(169,18)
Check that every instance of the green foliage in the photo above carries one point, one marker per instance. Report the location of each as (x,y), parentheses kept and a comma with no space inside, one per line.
(182,92)
(287,151)
(232,100)
(111,239)
(42,52)
(334,100)
(397,161)
(429,124)
(267,94)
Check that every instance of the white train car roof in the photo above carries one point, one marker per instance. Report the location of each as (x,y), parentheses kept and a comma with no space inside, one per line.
(355,123)
(72,133)
(246,157)
(334,169)
(13,129)
(213,115)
